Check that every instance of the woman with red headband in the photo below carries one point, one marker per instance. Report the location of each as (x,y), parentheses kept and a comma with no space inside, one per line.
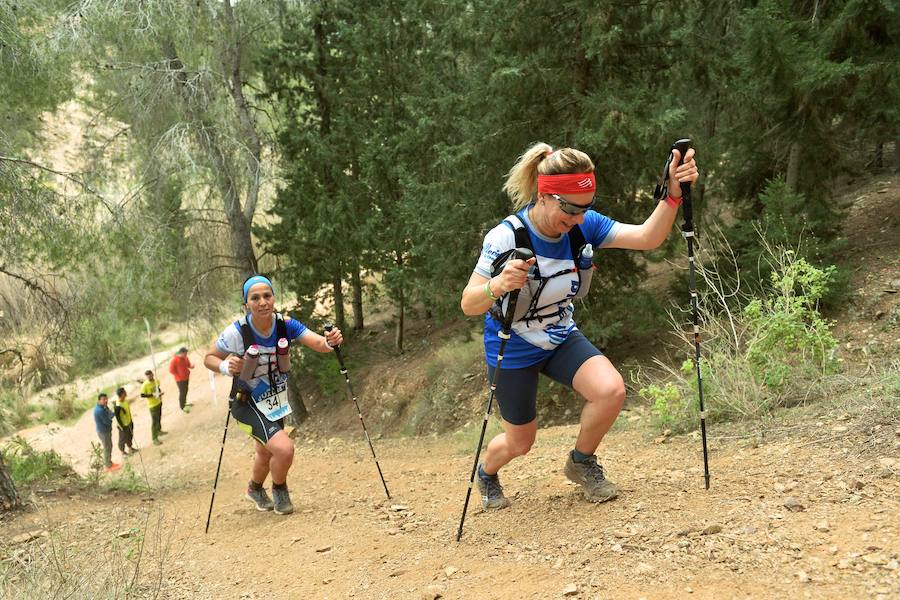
(553,194)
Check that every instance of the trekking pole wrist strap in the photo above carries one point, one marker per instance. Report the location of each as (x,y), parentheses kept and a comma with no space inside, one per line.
(673,201)
(223,368)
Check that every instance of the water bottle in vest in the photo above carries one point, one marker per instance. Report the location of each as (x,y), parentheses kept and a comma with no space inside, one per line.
(251,360)
(587,257)
(283,353)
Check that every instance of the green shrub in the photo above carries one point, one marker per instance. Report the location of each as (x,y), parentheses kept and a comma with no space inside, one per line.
(27,465)
(756,358)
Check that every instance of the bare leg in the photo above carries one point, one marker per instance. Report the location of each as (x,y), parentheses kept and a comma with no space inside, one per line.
(601,385)
(261,464)
(281,450)
(515,441)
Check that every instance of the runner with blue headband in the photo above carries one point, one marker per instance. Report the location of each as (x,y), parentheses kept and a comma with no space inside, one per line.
(259,395)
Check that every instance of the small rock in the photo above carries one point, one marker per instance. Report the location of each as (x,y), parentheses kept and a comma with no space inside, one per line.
(570,590)
(450,570)
(876,558)
(399,507)
(323,549)
(822,526)
(793,505)
(432,592)
(750,529)
(856,484)
(802,576)
(711,530)
(644,568)
(839,428)
(397,573)
(886,472)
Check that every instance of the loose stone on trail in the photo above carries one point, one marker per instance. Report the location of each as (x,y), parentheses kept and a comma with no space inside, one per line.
(570,590)
(793,505)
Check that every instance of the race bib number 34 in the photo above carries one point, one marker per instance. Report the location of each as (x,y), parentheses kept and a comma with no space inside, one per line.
(273,403)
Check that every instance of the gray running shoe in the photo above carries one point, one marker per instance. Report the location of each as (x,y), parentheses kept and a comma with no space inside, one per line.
(492,497)
(260,498)
(283,504)
(589,475)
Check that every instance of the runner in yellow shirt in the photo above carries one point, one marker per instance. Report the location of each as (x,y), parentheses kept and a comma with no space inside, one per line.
(150,390)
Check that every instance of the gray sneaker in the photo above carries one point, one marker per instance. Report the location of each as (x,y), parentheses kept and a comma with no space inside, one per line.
(283,504)
(260,498)
(589,475)
(492,497)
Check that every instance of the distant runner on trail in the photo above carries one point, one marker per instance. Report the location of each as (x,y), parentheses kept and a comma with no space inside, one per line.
(553,194)
(150,390)
(258,399)
(122,413)
(180,367)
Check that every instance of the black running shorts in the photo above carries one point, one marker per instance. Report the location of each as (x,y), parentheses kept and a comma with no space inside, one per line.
(517,388)
(253,422)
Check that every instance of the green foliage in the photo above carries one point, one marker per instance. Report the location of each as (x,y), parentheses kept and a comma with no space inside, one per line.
(786,336)
(784,216)
(128,481)
(27,465)
(14,410)
(665,401)
(765,356)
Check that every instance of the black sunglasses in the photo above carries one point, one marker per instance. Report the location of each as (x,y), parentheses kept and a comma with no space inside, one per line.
(571,208)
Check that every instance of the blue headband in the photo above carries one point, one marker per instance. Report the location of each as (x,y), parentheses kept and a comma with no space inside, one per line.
(253,281)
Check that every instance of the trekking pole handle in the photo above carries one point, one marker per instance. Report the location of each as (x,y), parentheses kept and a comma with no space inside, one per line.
(683,145)
(337,349)
(521,254)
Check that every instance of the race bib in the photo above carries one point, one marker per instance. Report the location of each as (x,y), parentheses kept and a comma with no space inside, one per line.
(273,402)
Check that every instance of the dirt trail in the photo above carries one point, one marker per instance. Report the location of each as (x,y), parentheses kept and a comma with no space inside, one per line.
(810,510)
(665,536)
(73,442)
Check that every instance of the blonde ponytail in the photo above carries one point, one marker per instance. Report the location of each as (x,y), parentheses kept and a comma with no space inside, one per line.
(521,181)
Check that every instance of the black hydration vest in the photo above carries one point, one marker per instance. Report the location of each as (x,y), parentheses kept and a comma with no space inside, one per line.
(528,307)
(239,393)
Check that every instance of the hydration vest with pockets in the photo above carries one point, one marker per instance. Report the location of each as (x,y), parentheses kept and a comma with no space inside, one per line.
(528,306)
(238,392)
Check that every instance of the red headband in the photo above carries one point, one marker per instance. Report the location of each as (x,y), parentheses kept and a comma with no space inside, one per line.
(569,183)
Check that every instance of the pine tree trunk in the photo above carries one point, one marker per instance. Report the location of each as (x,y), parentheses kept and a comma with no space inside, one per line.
(793,168)
(401,308)
(356,288)
(9,497)
(339,318)
(295,399)
(398,334)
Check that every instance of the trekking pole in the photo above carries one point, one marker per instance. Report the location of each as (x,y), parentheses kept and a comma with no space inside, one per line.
(337,353)
(512,298)
(218,468)
(687,230)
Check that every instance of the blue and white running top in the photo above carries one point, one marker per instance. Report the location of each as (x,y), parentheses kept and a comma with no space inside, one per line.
(230,341)
(533,340)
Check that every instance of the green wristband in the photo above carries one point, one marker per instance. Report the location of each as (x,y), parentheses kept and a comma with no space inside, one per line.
(488,292)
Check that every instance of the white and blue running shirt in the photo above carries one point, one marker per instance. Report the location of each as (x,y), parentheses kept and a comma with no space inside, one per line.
(230,341)
(534,340)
